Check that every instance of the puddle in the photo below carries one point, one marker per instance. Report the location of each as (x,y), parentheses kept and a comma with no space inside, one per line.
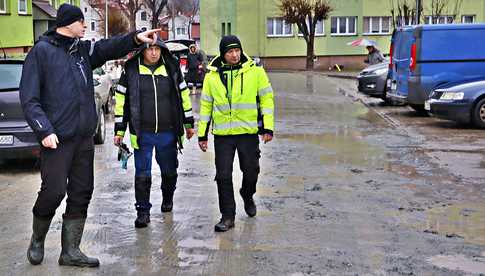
(459,262)
(344,147)
(465,221)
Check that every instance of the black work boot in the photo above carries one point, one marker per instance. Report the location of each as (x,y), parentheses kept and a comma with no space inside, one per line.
(72,232)
(249,205)
(224,225)
(169,183)
(142,219)
(40,227)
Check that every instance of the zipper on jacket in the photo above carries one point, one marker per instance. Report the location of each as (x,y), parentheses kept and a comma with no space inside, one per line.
(79,64)
(156,103)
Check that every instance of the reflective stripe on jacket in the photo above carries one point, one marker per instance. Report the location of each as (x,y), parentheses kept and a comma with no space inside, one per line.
(251,94)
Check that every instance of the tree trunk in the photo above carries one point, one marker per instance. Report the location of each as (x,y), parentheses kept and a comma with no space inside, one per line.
(310,53)
(133,22)
(173,25)
(154,20)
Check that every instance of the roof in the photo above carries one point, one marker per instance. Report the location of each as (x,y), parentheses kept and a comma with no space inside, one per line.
(45,7)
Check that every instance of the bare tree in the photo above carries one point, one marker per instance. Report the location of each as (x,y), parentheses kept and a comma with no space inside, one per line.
(306,14)
(440,8)
(156,7)
(403,12)
(129,8)
(193,10)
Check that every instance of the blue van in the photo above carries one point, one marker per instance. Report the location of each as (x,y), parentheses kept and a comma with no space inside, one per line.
(400,53)
(442,54)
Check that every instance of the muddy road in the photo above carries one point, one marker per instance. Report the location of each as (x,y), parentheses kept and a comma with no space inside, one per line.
(347,187)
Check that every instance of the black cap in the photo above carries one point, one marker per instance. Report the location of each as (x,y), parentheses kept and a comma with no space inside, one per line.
(229,42)
(68,14)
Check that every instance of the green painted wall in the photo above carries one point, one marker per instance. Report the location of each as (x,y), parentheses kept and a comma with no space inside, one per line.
(16,30)
(248,18)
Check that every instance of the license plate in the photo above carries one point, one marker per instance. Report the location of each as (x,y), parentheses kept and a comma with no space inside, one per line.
(393,86)
(427,106)
(6,139)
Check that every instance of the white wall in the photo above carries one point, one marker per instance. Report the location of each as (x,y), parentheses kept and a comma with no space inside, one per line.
(91,16)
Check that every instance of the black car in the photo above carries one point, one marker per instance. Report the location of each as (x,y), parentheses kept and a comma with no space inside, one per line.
(460,102)
(373,80)
(16,137)
(17,140)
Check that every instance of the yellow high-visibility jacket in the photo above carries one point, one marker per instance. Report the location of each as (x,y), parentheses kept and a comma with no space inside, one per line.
(234,97)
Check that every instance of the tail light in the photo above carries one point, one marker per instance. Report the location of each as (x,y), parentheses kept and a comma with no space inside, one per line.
(391,53)
(412,61)
(183,61)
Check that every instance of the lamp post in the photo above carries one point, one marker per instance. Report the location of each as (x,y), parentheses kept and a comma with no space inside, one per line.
(418,10)
(106,19)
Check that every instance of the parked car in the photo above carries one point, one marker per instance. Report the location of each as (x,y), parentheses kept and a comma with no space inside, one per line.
(400,56)
(372,81)
(443,54)
(17,140)
(460,102)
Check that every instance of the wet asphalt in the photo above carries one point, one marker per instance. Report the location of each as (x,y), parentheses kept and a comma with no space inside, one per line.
(347,187)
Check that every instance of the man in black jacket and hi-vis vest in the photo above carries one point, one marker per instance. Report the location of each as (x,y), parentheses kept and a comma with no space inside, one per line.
(153,100)
(57,96)
(237,98)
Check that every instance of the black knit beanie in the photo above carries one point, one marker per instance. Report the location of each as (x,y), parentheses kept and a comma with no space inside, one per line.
(68,14)
(229,42)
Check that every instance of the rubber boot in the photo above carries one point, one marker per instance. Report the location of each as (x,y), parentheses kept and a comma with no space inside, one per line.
(169,183)
(142,219)
(40,227)
(71,255)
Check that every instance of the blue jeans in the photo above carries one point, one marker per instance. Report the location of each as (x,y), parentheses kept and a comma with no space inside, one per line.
(165,144)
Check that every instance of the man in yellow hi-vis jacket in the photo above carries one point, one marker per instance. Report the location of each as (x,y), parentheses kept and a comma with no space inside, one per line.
(237,98)
(153,100)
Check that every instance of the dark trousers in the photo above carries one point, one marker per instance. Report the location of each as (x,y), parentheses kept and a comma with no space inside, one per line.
(165,145)
(67,169)
(247,147)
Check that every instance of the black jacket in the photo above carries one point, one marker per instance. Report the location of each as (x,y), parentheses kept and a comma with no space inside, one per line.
(130,79)
(56,89)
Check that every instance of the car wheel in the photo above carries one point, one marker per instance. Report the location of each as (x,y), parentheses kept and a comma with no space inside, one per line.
(101,130)
(478,115)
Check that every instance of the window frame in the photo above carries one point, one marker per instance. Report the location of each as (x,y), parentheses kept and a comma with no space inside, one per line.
(283,29)
(4,6)
(26,6)
(141,16)
(181,28)
(473,16)
(380,23)
(338,33)
(316,34)
(429,19)
(91,26)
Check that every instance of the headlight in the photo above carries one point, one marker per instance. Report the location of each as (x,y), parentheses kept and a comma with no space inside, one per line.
(380,71)
(452,96)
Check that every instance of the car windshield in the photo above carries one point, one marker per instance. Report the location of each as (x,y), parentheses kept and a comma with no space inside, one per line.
(10,76)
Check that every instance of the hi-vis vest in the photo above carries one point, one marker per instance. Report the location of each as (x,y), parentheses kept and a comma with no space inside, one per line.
(251,93)
(122,109)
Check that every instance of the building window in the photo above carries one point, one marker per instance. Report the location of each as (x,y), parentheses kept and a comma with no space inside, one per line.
(143,16)
(344,25)
(377,25)
(85,10)
(319,29)
(93,26)
(181,31)
(442,19)
(3,6)
(223,29)
(278,27)
(22,6)
(468,19)
(229,31)
(405,21)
